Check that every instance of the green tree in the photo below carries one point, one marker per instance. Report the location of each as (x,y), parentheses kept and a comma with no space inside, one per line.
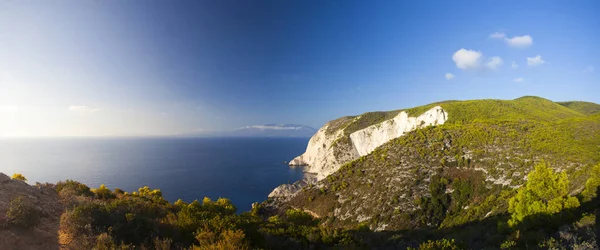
(592,183)
(546,193)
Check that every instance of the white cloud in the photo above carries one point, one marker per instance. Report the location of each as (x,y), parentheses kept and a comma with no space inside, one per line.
(494,62)
(83,109)
(498,35)
(534,61)
(518,79)
(519,41)
(467,59)
(588,69)
(449,76)
(514,65)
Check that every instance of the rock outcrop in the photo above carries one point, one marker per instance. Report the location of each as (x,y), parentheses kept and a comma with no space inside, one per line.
(329,148)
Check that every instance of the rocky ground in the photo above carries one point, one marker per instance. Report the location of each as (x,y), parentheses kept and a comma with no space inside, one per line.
(45,200)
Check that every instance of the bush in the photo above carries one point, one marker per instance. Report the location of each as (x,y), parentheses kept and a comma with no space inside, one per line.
(19,177)
(73,187)
(22,213)
(103,193)
(443,244)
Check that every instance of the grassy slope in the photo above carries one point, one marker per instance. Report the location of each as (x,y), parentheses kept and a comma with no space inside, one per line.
(504,138)
(586,108)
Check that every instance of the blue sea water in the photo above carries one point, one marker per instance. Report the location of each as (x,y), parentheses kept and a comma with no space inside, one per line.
(244,170)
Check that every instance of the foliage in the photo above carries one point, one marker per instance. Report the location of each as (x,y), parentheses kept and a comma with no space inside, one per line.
(546,192)
(102,192)
(22,213)
(586,108)
(443,244)
(592,184)
(435,207)
(19,177)
(73,187)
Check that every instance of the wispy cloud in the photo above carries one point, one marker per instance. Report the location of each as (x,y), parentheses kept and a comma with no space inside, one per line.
(515,41)
(588,69)
(535,61)
(518,79)
(79,108)
(449,76)
(514,65)
(494,63)
(498,35)
(519,41)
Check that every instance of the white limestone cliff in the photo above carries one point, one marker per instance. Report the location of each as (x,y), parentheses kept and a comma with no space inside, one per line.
(324,155)
(368,139)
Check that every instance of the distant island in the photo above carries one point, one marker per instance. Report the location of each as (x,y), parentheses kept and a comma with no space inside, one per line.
(274,130)
(476,174)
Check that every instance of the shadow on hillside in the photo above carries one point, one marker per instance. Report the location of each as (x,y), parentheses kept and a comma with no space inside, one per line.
(488,233)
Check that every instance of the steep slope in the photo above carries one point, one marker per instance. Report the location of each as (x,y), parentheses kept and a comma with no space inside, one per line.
(586,108)
(475,160)
(324,155)
(42,198)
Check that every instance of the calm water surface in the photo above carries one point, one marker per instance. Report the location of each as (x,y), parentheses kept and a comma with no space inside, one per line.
(244,170)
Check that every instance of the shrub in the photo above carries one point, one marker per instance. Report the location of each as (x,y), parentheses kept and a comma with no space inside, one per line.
(19,177)
(22,213)
(443,244)
(73,187)
(103,193)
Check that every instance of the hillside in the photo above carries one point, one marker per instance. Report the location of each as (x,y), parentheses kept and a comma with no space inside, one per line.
(586,108)
(40,198)
(486,147)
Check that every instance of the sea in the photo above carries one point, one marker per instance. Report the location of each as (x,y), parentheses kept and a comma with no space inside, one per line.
(244,170)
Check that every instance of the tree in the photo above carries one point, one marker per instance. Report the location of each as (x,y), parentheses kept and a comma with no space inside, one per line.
(19,177)
(592,183)
(545,193)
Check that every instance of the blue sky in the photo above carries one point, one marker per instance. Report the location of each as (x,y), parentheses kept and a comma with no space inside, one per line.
(93,68)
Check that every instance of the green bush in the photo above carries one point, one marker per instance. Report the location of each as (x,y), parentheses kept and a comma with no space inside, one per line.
(22,213)
(443,244)
(103,193)
(73,187)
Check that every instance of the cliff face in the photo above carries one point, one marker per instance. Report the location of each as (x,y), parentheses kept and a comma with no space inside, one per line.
(321,159)
(333,146)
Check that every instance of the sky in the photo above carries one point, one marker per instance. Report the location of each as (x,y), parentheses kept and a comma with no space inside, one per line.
(156,68)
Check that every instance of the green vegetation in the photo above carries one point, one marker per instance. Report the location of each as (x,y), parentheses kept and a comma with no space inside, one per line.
(455,180)
(19,177)
(586,108)
(592,184)
(22,213)
(545,193)
(104,219)
(443,244)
